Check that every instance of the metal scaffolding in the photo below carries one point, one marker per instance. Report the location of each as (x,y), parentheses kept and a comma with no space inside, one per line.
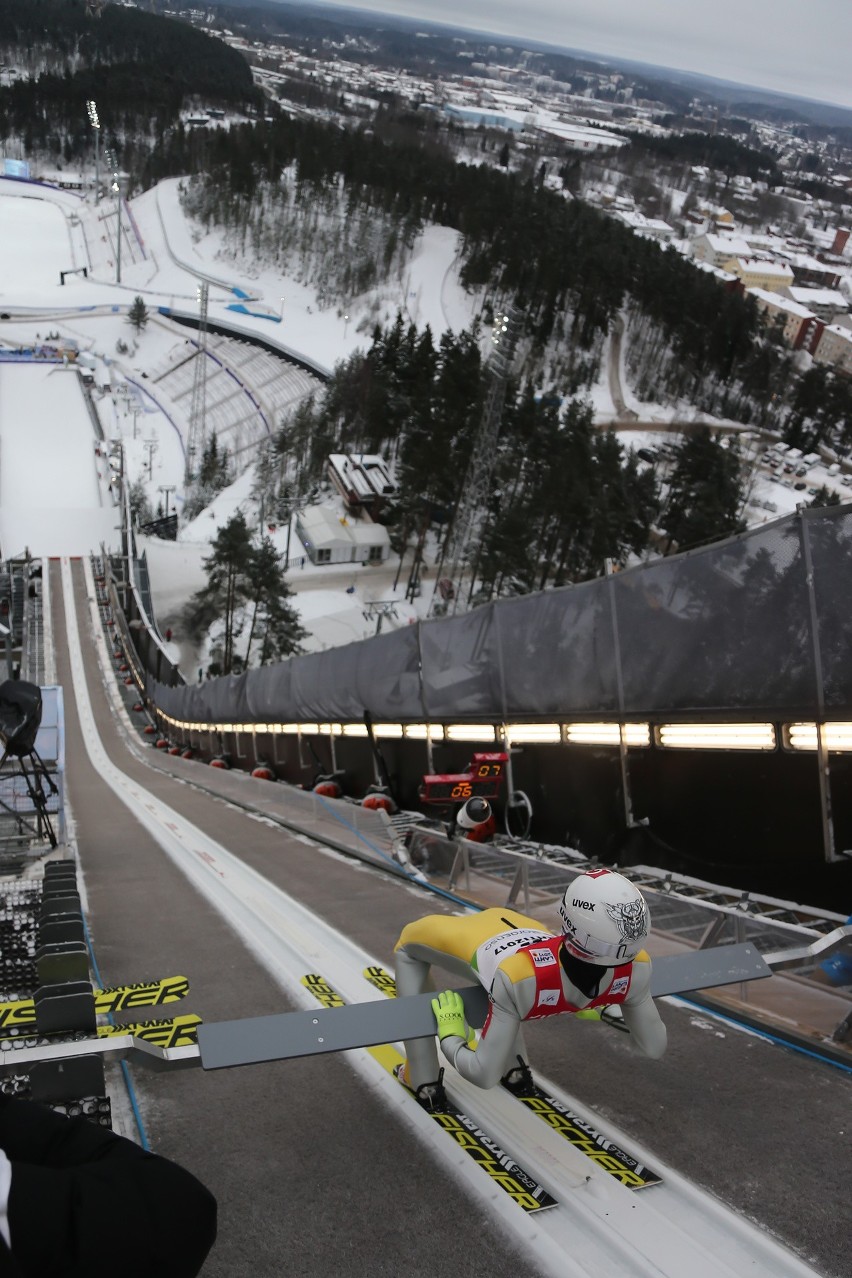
(461,553)
(198,410)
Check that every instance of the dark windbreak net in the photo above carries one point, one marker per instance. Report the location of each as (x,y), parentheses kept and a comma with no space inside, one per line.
(759,626)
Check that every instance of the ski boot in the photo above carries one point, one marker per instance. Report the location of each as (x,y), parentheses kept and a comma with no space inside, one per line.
(430,1095)
(519,1080)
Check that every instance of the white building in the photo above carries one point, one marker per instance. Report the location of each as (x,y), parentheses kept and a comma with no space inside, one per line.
(716,250)
(652,227)
(331,538)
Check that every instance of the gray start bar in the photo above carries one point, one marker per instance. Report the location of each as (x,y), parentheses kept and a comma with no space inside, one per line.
(271,1038)
(225,1044)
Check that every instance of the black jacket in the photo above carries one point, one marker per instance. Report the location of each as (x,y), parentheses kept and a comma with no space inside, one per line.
(86,1203)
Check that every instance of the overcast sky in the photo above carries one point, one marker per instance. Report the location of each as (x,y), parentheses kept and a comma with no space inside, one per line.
(795,46)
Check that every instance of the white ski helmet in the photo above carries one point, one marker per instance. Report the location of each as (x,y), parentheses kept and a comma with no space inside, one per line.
(604,918)
(475,812)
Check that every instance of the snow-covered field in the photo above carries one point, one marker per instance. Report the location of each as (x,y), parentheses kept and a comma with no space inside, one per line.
(164,259)
(54,488)
(34,245)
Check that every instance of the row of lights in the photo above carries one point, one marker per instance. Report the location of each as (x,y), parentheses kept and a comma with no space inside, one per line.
(669,736)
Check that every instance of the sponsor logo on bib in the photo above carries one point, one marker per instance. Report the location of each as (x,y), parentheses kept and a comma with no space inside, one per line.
(548,998)
(619,986)
(542,958)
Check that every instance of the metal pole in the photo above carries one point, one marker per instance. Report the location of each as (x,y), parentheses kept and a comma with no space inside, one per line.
(118,235)
(622,744)
(822,752)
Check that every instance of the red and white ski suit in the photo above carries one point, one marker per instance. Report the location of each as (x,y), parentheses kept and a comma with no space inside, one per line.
(517,960)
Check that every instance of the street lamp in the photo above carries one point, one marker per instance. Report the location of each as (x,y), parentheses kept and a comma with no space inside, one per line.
(345,324)
(92,109)
(281,316)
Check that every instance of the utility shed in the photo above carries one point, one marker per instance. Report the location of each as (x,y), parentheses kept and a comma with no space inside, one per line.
(331,538)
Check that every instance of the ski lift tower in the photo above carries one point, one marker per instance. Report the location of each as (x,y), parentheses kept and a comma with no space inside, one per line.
(463,543)
(198,409)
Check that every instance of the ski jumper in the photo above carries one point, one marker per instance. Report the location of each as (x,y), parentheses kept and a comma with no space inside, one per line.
(517,960)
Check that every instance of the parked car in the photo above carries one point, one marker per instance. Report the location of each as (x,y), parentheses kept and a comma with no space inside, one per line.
(800,486)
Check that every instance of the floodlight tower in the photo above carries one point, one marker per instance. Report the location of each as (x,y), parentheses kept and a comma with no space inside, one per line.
(463,544)
(117,193)
(94,120)
(116,190)
(198,409)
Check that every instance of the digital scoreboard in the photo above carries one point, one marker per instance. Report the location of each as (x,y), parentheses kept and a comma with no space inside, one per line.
(481,779)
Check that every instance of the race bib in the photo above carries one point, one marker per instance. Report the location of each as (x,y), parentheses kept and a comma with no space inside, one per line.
(491,953)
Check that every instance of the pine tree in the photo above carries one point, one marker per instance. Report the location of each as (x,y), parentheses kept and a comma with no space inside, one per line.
(705,491)
(229,568)
(213,475)
(826,497)
(140,506)
(138,314)
(275,622)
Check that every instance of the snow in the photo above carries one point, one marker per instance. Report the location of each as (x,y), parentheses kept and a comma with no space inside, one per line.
(429,294)
(54,487)
(34,245)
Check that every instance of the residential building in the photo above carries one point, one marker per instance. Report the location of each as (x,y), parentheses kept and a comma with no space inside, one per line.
(652,227)
(731,282)
(835,348)
(799,327)
(716,250)
(810,272)
(756,273)
(826,303)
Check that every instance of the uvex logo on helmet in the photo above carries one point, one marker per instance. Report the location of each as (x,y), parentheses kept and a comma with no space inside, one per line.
(583,905)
